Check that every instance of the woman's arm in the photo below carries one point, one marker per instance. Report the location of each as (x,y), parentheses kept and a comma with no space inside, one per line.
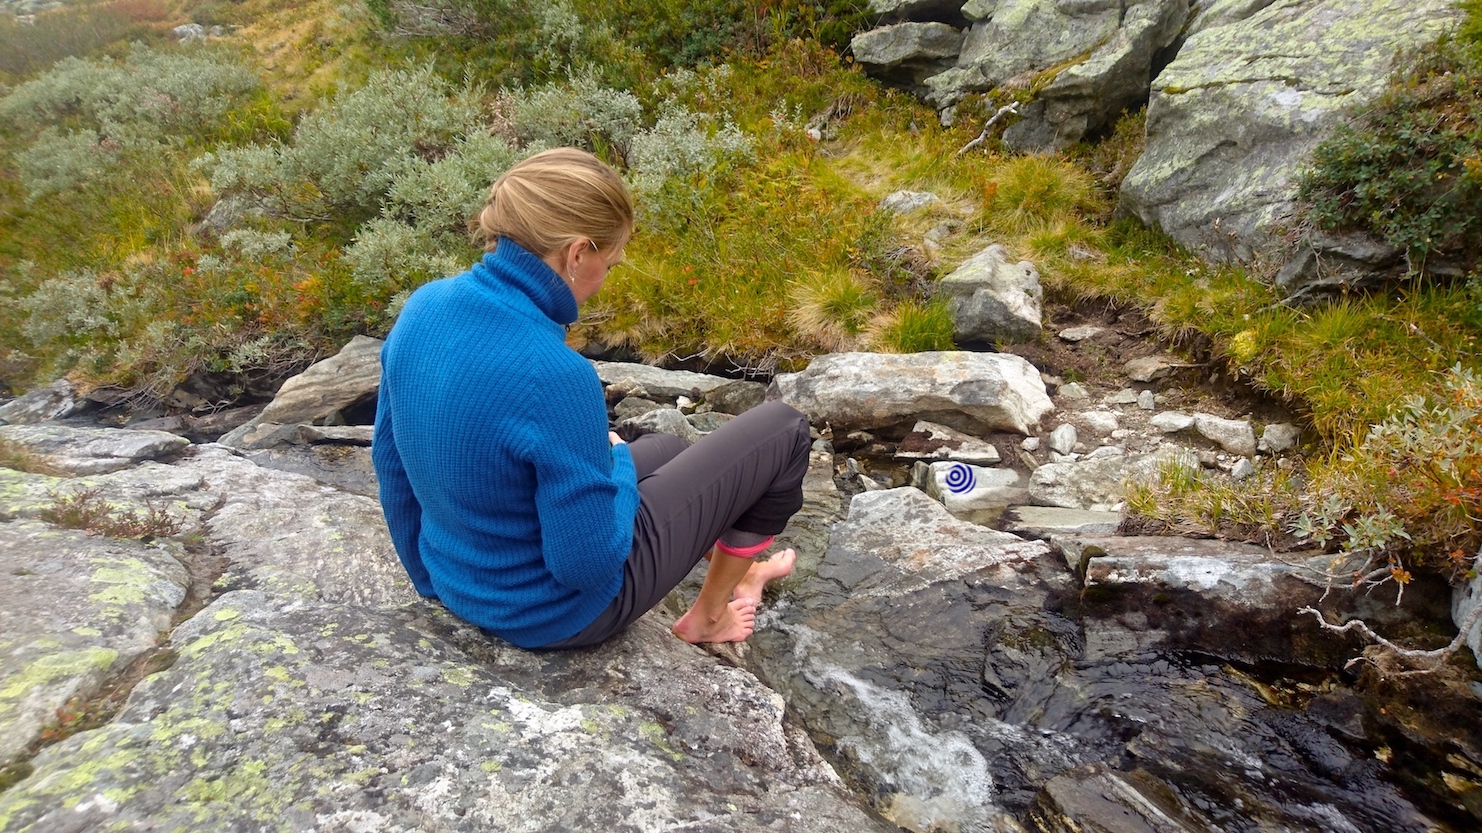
(403,512)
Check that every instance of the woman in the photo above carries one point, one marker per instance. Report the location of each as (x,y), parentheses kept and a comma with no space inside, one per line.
(507,497)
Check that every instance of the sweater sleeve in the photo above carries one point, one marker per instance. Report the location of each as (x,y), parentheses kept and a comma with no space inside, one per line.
(398,502)
(586,494)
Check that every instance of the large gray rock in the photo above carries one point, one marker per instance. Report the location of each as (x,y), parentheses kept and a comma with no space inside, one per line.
(1092,60)
(658,382)
(309,716)
(55,401)
(1233,435)
(992,300)
(348,380)
(974,493)
(968,391)
(1233,120)
(1098,484)
(92,450)
(74,610)
(907,53)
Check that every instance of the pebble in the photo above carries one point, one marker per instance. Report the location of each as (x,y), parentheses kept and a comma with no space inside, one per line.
(1030,444)
(1125,396)
(1074,334)
(1075,391)
(1146,400)
(1063,438)
(1242,469)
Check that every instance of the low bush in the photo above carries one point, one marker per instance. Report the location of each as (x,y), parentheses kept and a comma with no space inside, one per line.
(88,511)
(1408,168)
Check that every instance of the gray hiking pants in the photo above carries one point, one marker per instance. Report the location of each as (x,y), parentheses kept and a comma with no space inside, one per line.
(747,474)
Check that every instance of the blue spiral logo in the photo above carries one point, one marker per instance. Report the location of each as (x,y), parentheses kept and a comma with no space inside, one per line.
(960,479)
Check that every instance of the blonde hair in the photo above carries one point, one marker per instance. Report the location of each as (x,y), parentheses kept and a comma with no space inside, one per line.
(554,198)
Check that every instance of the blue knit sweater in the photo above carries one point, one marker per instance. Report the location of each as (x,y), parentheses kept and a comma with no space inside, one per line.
(503,496)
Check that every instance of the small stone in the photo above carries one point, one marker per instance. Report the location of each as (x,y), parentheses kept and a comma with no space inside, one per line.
(1030,444)
(1150,368)
(1171,422)
(1100,422)
(1104,452)
(1279,437)
(632,407)
(1233,435)
(905,202)
(1242,469)
(684,403)
(1121,434)
(1208,459)
(1057,457)
(1146,400)
(1125,396)
(1063,438)
(1074,391)
(1075,334)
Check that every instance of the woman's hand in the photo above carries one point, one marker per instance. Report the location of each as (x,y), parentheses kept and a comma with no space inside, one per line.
(613,438)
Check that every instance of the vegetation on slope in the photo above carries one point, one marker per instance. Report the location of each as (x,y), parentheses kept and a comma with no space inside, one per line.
(243,206)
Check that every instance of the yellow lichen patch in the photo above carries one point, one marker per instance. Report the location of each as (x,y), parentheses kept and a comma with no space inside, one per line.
(460,677)
(48,669)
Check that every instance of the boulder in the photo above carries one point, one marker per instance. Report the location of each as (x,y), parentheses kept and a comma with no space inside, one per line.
(58,400)
(929,441)
(345,382)
(974,493)
(657,382)
(907,53)
(666,421)
(736,397)
(971,392)
(1232,121)
(92,450)
(74,610)
(1088,62)
(1098,484)
(992,300)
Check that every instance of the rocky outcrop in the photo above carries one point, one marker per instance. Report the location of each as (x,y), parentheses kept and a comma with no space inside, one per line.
(1234,118)
(967,391)
(992,300)
(1084,63)
(58,400)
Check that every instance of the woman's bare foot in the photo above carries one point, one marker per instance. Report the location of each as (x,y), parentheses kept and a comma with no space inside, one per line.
(734,624)
(761,572)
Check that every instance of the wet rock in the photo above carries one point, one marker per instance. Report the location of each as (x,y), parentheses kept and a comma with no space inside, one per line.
(993,300)
(1045,522)
(972,493)
(906,202)
(313,715)
(929,441)
(1098,485)
(1279,437)
(1098,798)
(74,610)
(658,383)
(971,392)
(92,450)
(736,397)
(1233,435)
(55,401)
(1232,121)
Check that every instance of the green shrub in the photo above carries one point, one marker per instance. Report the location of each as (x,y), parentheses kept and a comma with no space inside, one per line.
(345,156)
(76,29)
(579,112)
(913,327)
(1408,168)
(59,161)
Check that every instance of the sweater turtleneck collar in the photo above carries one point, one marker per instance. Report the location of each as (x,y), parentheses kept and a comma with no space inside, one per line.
(512,267)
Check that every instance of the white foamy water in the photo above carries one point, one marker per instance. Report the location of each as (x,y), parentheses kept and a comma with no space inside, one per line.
(941,780)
